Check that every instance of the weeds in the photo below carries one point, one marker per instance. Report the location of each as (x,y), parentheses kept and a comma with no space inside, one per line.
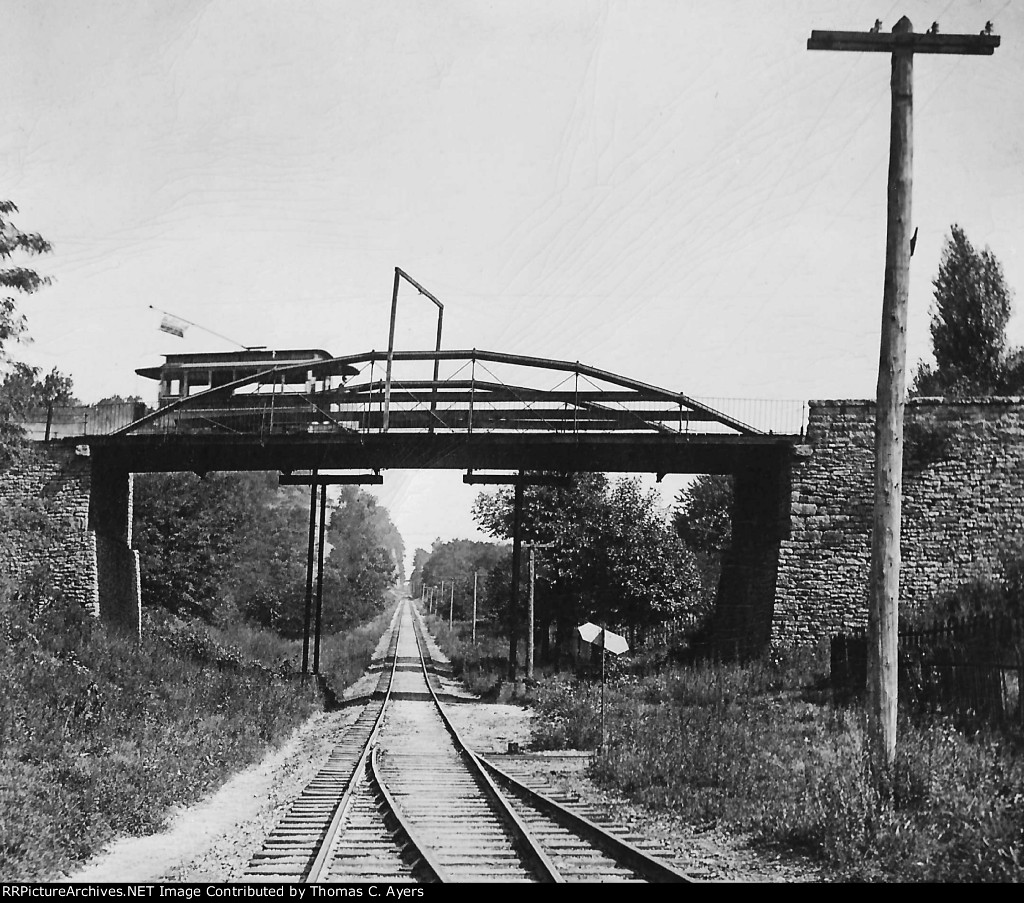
(481,665)
(346,655)
(760,748)
(743,746)
(100,735)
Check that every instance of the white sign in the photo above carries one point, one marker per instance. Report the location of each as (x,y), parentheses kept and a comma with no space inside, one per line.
(174,325)
(603,639)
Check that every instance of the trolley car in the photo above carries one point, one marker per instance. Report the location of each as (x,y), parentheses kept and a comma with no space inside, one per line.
(264,390)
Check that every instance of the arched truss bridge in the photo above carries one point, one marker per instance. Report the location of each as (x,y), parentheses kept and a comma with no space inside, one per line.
(479,392)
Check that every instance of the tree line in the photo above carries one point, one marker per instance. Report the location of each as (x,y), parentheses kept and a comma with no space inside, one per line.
(603,551)
(234,546)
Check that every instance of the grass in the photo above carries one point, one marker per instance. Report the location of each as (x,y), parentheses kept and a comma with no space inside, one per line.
(761,748)
(346,655)
(482,665)
(101,735)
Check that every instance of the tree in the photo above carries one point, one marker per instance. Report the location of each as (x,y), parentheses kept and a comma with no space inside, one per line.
(703,520)
(972,305)
(566,520)
(366,558)
(17,278)
(208,546)
(419,559)
(235,545)
(607,553)
(650,574)
(23,389)
(12,324)
(455,562)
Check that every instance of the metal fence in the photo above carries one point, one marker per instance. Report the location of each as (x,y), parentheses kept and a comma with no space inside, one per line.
(967,668)
(74,421)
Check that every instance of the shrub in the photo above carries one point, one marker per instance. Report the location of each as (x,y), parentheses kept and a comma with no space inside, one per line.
(100,734)
(754,748)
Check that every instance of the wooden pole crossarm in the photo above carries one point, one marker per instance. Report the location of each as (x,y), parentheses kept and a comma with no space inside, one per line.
(353,479)
(879,42)
(501,479)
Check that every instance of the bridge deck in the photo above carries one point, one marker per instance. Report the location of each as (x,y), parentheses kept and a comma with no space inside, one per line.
(633,452)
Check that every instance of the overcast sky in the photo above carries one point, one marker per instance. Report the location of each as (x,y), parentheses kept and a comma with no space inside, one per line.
(678,192)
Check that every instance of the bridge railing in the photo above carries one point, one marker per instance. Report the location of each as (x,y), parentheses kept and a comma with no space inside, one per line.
(77,421)
(781,416)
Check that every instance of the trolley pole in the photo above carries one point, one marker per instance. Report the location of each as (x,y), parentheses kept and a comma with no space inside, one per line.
(883,587)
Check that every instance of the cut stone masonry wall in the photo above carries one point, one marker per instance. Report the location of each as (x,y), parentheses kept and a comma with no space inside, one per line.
(44,506)
(963,503)
(68,513)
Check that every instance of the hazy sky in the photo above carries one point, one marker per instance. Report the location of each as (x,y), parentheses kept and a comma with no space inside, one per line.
(679,192)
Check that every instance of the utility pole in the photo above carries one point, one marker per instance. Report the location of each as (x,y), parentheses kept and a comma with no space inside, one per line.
(883,586)
(320,580)
(311,551)
(316,482)
(529,624)
(518,481)
(451,607)
(475,573)
(513,615)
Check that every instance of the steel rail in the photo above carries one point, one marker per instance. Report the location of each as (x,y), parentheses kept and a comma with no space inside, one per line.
(527,845)
(294,849)
(619,849)
(526,815)
(616,848)
(424,850)
(321,863)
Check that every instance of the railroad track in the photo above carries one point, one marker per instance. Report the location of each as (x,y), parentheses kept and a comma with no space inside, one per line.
(402,799)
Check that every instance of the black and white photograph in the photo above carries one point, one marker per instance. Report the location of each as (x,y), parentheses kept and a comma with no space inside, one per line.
(490,442)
